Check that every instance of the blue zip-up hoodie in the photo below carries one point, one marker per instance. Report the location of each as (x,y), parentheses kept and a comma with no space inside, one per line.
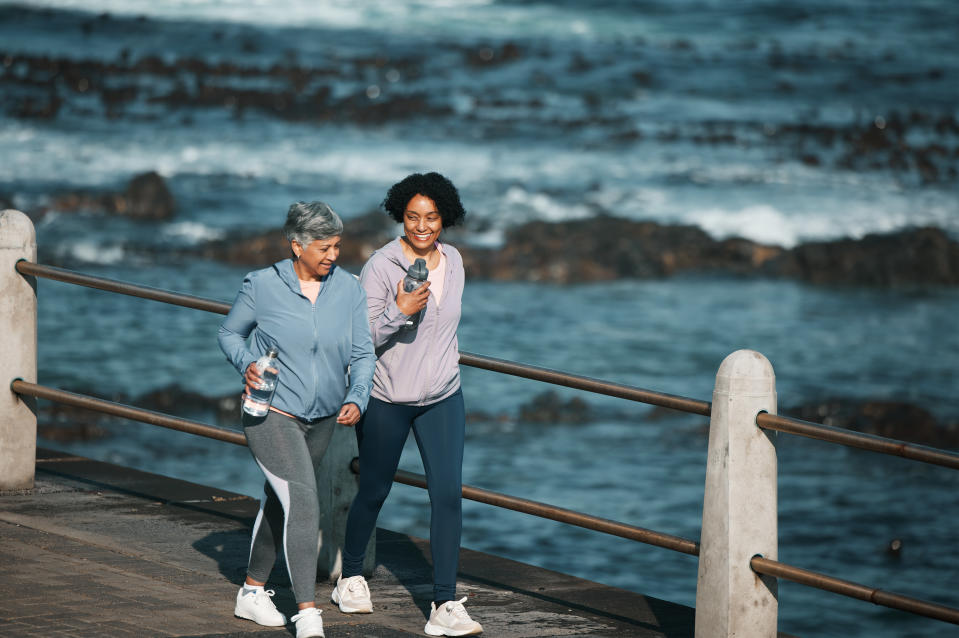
(421,366)
(326,355)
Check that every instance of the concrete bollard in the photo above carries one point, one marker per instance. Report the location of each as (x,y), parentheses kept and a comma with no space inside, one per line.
(336,485)
(739,509)
(18,352)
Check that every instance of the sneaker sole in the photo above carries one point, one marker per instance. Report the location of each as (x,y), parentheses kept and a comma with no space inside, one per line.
(434,630)
(347,609)
(238,615)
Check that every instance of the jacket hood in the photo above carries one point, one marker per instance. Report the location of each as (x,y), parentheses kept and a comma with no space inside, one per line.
(287,274)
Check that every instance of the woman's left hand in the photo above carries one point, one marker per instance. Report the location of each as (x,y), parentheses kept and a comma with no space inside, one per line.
(349,414)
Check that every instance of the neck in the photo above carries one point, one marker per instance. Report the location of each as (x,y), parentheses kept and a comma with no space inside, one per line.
(304,276)
(412,250)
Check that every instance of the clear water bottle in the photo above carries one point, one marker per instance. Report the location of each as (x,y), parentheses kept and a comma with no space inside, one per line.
(415,277)
(257,403)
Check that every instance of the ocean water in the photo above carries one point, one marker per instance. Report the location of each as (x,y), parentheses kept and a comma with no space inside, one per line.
(754,119)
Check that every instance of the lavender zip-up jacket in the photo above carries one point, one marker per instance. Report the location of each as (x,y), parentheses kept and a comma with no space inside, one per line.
(421,366)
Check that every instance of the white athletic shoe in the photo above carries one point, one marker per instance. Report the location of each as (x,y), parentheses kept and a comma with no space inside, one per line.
(451,619)
(309,623)
(352,595)
(258,607)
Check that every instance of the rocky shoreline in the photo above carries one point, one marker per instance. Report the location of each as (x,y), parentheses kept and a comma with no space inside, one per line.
(606,248)
(600,248)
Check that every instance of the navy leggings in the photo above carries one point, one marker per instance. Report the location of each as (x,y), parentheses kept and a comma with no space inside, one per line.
(439,429)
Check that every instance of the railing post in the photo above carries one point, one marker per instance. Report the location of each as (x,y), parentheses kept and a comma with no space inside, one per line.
(18,352)
(739,508)
(336,485)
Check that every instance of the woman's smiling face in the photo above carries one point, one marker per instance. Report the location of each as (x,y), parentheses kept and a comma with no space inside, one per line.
(422,223)
(315,261)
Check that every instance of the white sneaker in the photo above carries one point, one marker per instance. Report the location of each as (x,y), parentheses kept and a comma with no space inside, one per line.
(451,619)
(258,607)
(352,595)
(309,623)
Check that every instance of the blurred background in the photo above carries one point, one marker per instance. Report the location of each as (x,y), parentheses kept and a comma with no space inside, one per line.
(650,186)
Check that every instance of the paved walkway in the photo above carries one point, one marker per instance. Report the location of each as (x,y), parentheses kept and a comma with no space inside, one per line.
(101,550)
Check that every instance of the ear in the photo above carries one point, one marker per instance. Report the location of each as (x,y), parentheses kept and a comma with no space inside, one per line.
(296,248)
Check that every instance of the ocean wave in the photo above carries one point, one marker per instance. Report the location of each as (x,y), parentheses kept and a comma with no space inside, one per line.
(425,17)
(193,232)
(91,253)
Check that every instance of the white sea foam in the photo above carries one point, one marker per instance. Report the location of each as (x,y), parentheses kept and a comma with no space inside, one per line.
(94,253)
(193,232)
(424,17)
(520,204)
(504,183)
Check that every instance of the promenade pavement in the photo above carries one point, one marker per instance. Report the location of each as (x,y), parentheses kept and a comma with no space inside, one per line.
(101,550)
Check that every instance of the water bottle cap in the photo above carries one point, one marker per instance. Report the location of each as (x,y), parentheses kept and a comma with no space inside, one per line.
(419,270)
(272,352)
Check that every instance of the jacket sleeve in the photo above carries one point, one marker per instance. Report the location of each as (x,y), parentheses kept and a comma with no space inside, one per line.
(362,358)
(237,326)
(385,316)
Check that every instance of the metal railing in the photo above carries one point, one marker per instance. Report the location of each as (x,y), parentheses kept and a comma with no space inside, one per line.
(788,425)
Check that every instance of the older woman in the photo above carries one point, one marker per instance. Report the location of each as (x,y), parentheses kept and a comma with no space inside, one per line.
(315,314)
(416,386)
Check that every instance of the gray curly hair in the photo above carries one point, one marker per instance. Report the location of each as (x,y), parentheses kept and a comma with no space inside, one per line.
(307,222)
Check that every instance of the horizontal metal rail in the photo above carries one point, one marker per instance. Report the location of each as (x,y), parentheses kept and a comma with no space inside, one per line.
(676,543)
(534,508)
(764,420)
(854,590)
(122,287)
(589,384)
(768,421)
(570,517)
(126,411)
(477,361)
(849,438)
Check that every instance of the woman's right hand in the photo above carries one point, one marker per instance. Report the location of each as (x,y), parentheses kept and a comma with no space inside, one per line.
(411,303)
(252,377)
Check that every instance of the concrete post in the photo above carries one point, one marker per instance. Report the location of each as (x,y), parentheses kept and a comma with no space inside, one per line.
(336,485)
(18,352)
(739,509)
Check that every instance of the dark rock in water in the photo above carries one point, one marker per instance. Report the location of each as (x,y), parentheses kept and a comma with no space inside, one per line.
(891,419)
(916,255)
(894,548)
(547,407)
(64,423)
(257,250)
(71,432)
(361,236)
(146,197)
(604,248)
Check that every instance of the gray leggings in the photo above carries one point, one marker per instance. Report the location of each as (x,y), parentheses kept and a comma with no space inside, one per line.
(288,451)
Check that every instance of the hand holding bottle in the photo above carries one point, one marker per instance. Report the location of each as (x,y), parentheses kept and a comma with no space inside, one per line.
(411,303)
(260,380)
(252,377)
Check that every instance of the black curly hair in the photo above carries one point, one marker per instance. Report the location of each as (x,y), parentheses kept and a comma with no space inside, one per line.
(432,185)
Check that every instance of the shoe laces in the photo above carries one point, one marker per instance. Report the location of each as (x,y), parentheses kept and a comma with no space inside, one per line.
(357,583)
(261,594)
(307,614)
(456,609)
